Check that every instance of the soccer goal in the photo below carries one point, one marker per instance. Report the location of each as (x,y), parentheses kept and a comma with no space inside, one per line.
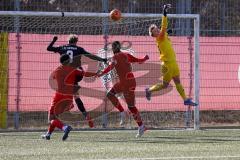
(29,65)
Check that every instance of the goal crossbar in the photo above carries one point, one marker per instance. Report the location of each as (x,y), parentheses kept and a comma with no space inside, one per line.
(91,14)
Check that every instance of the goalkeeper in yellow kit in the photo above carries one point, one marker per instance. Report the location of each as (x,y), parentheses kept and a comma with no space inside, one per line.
(169,64)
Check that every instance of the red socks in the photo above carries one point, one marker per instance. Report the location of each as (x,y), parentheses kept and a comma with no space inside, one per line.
(136,115)
(51,128)
(55,123)
(119,107)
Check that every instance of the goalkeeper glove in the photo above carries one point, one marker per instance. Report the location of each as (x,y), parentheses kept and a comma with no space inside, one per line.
(165,9)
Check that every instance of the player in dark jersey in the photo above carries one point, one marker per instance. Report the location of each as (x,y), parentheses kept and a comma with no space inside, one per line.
(64,77)
(127,83)
(75,53)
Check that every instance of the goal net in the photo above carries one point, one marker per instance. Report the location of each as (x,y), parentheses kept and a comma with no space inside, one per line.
(30,65)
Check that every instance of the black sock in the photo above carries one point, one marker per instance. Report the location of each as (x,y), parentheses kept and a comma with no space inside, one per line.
(85,114)
(81,106)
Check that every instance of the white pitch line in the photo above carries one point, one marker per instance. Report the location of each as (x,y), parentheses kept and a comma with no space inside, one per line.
(167,158)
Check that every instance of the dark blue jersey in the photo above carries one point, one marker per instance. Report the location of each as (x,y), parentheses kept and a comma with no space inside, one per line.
(70,49)
(75,52)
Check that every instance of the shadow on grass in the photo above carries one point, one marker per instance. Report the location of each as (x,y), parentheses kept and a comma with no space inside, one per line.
(122,137)
(162,140)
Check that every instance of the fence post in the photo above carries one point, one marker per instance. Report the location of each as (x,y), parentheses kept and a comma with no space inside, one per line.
(188,114)
(18,73)
(105,37)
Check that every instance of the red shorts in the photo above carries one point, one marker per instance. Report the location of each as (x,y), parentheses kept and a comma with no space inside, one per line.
(127,87)
(61,103)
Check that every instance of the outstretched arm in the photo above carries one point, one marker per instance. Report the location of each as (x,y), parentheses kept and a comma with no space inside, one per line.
(89,74)
(139,60)
(106,70)
(164,20)
(93,57)
(50,46)
(80,72)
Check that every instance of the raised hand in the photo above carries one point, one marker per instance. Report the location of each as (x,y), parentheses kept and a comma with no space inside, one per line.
(146,57)
(165,8)
(55,38)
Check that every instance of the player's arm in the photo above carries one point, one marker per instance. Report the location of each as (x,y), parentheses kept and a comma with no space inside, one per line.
(80,72)
(50,46)
(164,20)
(89,74)
(94,57)
(106,70)
(133,59)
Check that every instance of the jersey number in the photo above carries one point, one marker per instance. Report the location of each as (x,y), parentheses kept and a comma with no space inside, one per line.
(70,53)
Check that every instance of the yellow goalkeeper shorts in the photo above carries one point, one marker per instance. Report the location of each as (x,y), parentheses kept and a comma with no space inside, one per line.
(169,70)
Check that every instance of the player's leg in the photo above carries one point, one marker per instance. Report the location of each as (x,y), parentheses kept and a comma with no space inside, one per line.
(51,118)
(81,108)
(111,95)
(58,106)
(54,122)
(180,89)
(65,105)
(51,127)
(179,86)
(80,104)
(167,76)
(129,96)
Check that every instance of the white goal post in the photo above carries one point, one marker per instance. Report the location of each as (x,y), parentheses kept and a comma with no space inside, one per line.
(194,17)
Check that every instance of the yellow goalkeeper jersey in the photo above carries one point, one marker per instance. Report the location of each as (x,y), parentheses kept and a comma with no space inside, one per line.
(164,44)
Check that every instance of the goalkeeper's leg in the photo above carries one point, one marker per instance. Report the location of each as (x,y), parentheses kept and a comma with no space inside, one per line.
(154,88)
(167,77)
(180,89)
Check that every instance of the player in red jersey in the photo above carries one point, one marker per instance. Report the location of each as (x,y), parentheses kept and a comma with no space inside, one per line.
(127,84)
(64,76)
(75,52)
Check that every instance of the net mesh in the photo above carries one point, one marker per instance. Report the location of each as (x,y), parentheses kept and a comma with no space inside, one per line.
(30,66)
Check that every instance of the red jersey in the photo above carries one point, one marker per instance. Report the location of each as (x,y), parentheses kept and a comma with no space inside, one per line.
(65,77)
(122,63)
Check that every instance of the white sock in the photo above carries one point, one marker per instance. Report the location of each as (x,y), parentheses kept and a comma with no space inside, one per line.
(48,134)
(122,114)
(141,126)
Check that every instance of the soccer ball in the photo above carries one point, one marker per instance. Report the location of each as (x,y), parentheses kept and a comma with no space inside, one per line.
(115,15)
